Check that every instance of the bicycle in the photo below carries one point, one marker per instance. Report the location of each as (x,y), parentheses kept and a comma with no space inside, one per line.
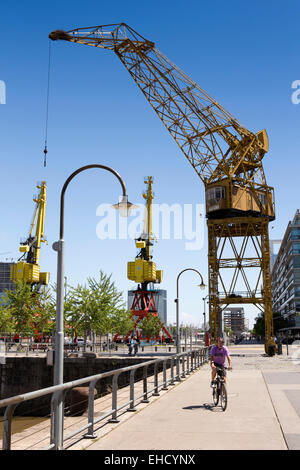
(219,390)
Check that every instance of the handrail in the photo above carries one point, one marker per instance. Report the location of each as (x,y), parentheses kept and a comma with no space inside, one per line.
(193,359)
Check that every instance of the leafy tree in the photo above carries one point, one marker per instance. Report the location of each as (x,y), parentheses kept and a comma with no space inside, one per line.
(259,326)
(27,307)
(97,306)
(151,325)
(278,322)
(6,322)
(228,331)
(122,322)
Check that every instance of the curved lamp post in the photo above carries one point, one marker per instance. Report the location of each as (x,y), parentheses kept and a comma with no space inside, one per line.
(204,311)
(124,206)
(202,286)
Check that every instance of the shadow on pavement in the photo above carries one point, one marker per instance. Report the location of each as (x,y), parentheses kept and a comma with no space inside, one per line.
(205,406)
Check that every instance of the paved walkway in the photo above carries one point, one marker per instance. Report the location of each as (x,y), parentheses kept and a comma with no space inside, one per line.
(263,411)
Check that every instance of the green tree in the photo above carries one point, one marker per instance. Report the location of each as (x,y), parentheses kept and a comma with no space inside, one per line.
(151,325)
(6,321)
(28,308)
(97,306)
(278,323)
(122,322)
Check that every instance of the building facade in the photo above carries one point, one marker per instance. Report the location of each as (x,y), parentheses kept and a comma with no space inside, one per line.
(234,319)
(5,282)
(286,275)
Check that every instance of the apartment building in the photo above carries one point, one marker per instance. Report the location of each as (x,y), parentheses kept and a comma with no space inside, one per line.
(285,275)
(234,319)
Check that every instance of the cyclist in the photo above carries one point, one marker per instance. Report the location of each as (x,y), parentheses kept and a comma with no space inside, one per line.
(218,355)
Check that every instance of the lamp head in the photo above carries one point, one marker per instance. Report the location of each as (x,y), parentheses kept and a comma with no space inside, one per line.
(202,285)
(124,206)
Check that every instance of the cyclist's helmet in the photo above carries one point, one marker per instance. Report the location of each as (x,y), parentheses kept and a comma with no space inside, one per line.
(221,340)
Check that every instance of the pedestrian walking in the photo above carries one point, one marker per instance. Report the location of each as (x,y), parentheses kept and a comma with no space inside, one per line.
(136,345)
(131,345)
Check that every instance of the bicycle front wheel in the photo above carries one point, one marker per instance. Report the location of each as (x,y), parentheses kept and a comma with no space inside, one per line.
(223,397)
(216,395)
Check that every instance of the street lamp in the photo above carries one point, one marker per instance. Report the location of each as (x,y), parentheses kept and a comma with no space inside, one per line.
(59,246)
(202,286)
(204,311)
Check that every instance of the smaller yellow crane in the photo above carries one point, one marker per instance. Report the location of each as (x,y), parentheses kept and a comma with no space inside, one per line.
(143,269)
(27,268)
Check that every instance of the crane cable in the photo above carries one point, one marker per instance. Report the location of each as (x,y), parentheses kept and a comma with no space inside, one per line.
(47,105)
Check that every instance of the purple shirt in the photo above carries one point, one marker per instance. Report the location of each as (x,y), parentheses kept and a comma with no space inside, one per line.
(219,355)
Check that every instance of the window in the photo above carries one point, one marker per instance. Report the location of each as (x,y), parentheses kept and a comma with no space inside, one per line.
(216,193)
(297,291)
(296,247)
(262,199)
(295,233)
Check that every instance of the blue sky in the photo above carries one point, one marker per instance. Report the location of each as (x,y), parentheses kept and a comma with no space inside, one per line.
(245,56)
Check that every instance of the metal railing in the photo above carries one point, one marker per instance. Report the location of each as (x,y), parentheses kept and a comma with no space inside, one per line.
(188,361)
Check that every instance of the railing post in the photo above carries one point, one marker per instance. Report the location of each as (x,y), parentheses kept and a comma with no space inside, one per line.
(188,364)
(172,372)
(131,406)
(178,379)
(114,418)
(155,393)
(90,433)
(6,443)
(145,391)
(183,365)
(165,375)
(57,424)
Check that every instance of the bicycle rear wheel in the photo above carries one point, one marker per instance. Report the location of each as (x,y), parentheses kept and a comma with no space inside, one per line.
(223,397)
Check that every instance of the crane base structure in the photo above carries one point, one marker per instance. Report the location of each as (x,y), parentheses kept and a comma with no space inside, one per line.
(247,238)
(144,305)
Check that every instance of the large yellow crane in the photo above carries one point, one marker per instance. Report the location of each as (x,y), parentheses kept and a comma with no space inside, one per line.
(27,268)
(226,156)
